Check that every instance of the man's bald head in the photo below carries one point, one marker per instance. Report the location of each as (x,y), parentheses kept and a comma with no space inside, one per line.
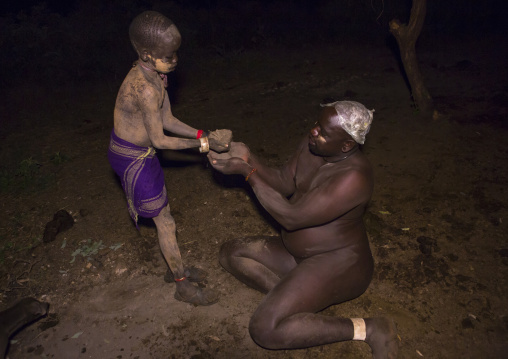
(146,28)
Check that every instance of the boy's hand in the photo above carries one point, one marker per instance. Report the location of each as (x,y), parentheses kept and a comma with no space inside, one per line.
(220,140)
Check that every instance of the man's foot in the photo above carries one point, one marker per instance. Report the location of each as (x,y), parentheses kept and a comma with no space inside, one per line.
(193,274)
(382,338)
(201,296)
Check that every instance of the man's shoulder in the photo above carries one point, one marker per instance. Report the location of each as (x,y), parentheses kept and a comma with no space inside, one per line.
(358,171)
(357,177)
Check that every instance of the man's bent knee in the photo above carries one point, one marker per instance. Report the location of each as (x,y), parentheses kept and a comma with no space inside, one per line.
(263,331)
(227,250)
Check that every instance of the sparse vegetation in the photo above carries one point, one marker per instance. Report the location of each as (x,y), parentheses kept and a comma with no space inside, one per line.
(29,174)
(58,158)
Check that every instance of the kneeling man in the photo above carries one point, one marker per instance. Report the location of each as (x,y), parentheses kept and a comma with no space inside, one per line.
(323,256)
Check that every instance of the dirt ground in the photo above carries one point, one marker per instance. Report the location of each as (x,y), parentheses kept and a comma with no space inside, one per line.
(437,221)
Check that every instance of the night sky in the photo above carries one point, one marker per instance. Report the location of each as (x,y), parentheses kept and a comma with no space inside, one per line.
(58,6)
(90,27)
(489,12)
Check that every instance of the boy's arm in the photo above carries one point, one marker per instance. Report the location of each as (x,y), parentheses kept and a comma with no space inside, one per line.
(155,123)
(174,125)
(217,140)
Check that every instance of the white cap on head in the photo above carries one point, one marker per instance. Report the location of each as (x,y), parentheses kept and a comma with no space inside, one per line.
(354,118)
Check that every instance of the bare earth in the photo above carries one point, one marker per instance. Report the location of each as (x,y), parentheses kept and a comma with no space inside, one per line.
(437,222)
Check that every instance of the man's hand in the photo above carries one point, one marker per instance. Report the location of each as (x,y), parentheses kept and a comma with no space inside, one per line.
(239,149)
(227,164)
(219,140)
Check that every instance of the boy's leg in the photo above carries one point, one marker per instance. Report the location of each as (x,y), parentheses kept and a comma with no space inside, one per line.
(185,291)
(166,230)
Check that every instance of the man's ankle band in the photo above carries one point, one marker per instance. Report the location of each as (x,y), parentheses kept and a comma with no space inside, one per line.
(360,331)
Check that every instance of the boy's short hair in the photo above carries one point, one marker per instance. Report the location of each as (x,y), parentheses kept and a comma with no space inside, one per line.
(145,29)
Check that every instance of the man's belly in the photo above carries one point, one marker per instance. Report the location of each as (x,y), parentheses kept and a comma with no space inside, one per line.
(311,241)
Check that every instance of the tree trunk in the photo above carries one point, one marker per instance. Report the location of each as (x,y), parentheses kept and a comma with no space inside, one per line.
(406,36)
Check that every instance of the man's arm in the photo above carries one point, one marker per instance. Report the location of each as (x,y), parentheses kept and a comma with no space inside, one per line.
(239,160)
(280,179)
(332,199)
(320,205)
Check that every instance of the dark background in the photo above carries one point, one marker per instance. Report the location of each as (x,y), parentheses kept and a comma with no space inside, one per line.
(57,42)
(437,221)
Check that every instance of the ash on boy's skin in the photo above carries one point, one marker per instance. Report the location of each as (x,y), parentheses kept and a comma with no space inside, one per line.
(323,256)
(142,113)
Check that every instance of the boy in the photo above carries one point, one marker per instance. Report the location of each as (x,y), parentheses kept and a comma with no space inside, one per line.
(142,113)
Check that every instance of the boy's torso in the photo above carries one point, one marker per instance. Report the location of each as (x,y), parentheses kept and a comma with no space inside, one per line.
(139,94)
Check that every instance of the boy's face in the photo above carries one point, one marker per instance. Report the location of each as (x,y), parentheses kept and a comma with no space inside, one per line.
(163,56)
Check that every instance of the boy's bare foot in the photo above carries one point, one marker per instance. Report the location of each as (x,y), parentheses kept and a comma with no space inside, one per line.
(382,338)
(186,292)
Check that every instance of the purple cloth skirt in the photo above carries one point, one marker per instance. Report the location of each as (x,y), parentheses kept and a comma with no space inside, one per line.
(141,175)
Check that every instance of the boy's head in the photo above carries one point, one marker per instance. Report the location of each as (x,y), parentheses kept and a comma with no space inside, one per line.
(156,39)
